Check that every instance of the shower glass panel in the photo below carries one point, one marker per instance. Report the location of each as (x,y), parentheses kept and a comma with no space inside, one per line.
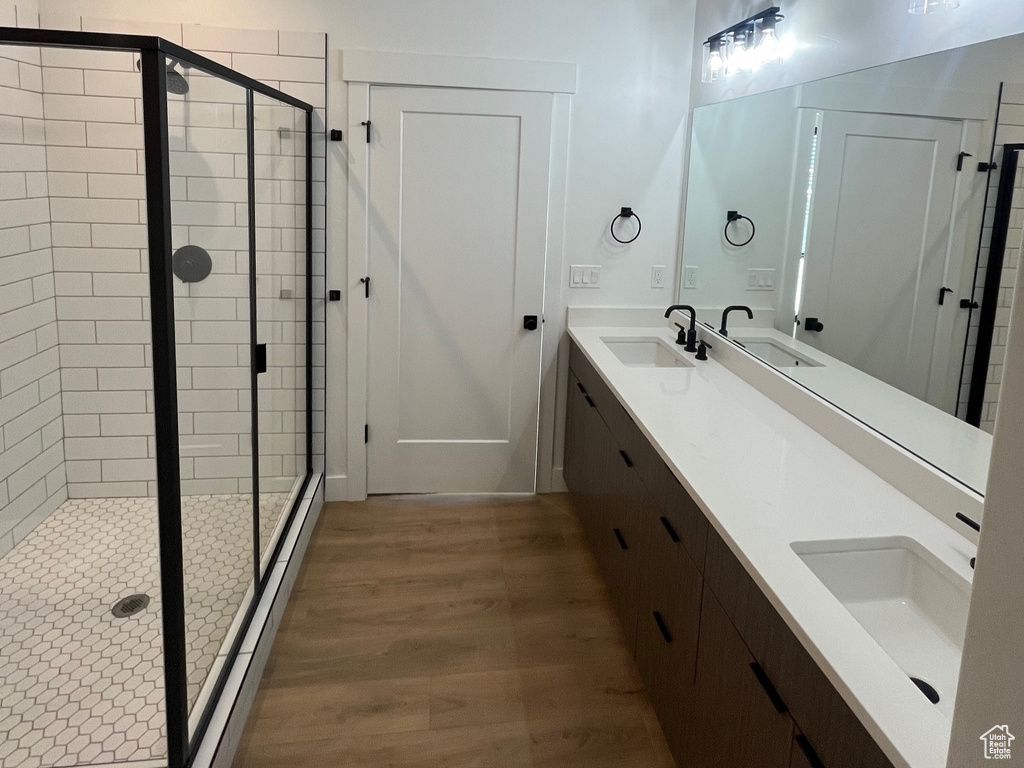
(209,146)
(143,266)
(280,206)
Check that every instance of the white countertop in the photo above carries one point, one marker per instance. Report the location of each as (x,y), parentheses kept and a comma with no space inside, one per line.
(764,479)
(952,445)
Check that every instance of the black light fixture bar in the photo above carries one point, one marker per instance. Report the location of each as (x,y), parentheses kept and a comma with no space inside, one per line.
(774,11)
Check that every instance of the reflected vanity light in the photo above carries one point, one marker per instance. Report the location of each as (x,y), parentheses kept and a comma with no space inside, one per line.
(747,46)
(919,7)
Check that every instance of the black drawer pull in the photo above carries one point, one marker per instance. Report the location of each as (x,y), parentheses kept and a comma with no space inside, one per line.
(769,689)
(625,458)
(582,389)
(590,402)
(805,746)
(622,541)
(967,521)
(661,626)
(671,531)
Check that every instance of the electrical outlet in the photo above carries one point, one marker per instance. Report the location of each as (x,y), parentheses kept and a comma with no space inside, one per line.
(584,276)
(760,279)
(657,277)
(690,277)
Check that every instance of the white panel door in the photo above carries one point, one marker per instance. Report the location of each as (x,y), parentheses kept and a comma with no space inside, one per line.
(458,218)
(879,245)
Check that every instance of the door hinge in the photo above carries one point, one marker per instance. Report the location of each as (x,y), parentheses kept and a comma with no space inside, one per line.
(986,167)
(366,286)
(960,160)
(366,433)
(369,128)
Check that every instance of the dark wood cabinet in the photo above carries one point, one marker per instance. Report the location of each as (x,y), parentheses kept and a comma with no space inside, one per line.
(718,660)
(668,626)
(742,721)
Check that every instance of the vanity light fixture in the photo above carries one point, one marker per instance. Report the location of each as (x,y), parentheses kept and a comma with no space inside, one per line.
(920,7)
(747,46)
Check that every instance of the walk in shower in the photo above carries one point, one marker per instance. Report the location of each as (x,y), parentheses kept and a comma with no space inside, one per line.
(155,389)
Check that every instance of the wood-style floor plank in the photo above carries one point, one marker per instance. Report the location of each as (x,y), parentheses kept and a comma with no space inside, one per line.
(455,632)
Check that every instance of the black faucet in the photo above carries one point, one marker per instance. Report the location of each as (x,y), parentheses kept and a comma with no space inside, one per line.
(725,316)
(686,337)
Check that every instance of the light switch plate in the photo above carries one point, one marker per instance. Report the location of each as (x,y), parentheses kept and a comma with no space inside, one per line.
(760,279)
(584,276)
(690,277)
(658,277)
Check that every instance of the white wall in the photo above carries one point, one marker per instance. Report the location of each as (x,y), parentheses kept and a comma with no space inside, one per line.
(628,122)
(32,471)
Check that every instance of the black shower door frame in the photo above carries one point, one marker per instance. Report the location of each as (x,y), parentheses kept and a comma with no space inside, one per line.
(181,747)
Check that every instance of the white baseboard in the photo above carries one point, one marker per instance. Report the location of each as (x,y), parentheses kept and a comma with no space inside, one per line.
(558,481)
(337,488)
(224,733)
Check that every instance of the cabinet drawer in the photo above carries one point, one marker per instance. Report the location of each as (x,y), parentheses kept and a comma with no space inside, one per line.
(684,516)
(622,427)
(830,726)
(741,722)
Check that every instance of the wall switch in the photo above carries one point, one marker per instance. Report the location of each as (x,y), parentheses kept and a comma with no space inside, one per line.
(690,276)
(584,276)
(760,279)
(657,277)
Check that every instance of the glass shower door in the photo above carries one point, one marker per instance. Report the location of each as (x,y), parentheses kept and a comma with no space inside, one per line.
(212,304)
(281,298)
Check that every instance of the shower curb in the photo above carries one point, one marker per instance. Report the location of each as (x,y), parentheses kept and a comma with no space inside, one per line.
(224,732)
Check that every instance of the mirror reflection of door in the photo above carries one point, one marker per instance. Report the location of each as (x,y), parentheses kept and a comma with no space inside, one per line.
(879,249)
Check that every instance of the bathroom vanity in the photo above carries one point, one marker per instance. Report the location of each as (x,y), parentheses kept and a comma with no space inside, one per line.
(778,595)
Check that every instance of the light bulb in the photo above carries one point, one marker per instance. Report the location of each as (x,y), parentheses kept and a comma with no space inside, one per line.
(768,48)
(715,62)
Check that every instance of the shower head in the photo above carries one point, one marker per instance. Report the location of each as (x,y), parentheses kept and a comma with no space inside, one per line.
(176,83)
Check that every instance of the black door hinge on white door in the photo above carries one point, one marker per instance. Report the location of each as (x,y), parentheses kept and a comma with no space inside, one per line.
(366,433)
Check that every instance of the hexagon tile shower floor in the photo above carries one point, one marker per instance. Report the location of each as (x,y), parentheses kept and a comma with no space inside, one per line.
(79,686)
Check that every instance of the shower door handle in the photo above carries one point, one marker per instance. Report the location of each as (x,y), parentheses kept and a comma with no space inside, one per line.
(261,358)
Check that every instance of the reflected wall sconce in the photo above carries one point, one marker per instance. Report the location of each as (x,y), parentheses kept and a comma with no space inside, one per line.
(920,7)
(747,46)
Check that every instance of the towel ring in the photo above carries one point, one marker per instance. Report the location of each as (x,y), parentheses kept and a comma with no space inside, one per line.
(627,213)
(737,216)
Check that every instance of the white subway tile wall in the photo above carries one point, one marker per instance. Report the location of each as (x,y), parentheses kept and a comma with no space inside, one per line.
(32,470)
(1009,131)
(74,299)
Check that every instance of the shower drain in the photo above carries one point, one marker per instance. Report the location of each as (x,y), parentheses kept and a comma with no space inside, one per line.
(129,606)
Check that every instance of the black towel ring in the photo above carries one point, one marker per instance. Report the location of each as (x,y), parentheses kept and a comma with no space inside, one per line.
(627,213)
(736,216)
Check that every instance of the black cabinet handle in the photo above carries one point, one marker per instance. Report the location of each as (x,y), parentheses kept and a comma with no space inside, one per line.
(967,521)
(769,689)
(671,531)
(808,750)
(622,541)
(582,389)
(661,626)
(589,401)
(625,458)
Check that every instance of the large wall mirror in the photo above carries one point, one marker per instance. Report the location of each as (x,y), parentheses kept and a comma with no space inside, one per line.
(884,211)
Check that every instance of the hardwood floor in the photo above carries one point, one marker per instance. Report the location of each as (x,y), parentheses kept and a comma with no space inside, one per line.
(428,632)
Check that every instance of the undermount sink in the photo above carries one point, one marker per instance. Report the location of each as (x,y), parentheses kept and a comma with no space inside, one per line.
(777,354)
(646,353)
(912,604)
